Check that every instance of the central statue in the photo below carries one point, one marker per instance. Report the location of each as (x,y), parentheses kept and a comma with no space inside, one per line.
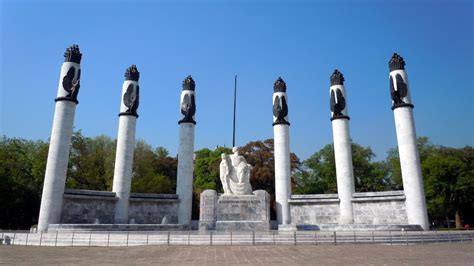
(235,174)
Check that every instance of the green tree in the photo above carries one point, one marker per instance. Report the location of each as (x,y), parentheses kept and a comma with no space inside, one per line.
(22,166)
(206,169)
(153,171)
(261,156)
(425,147)
(449,182)
(91,162)
(320,172)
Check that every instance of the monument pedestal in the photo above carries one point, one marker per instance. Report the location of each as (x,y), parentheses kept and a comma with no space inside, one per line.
(235,212)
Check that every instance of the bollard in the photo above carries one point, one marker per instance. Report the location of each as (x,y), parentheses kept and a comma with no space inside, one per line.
(406,237)
(253,238)
(315,238)
(449,237)
(355,240)
(422,240)
(210,238)
(129,233)
(436,235)
(168,240)
(231,238)
(294,236)
(41,238)
(189,237)
(90,236)
(56,239)
(14,236)
(373,238)
(274,238)
(335,240)
(72,240)
(27,235)
(390,232)
(460,232)
(147,236)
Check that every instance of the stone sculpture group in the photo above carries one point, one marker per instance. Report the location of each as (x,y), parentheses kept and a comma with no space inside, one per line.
(235,174)
(238,208)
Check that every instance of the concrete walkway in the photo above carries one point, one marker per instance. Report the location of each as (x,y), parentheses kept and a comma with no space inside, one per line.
(437,254)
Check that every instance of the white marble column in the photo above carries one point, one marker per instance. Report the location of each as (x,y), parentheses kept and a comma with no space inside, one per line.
(126,143)
(342,147)
(281,152)
(402,107)
(60,141)
(184,183)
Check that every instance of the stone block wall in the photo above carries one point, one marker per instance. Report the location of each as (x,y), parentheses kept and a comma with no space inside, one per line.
(146,208)
(384,208)
(88,207)
(97,207)
(314,209)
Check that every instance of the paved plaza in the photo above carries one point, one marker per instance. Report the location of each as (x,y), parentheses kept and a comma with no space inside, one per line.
(436,254)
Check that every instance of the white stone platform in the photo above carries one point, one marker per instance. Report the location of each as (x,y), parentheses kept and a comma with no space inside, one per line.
(236,212)
(349,227)
(116,227)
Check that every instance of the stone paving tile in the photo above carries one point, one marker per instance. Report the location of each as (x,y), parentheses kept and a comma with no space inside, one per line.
(440,254)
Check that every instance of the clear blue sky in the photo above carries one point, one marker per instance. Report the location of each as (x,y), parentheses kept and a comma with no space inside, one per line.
(302,41)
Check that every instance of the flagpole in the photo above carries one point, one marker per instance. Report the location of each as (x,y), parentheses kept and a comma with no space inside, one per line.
(235,98)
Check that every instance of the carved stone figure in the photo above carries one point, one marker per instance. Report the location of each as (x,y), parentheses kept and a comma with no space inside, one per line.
(235,174)
(188,103)
(131,99)
(280,110)
(400,92)
(338,103)
(188,108)
(71,84)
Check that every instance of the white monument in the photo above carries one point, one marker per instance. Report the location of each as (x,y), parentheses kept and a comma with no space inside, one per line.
(238,208)
(60,142)
(282,152)
(407,144)
(184,183)
(342,147)
(235,174)
(126,143)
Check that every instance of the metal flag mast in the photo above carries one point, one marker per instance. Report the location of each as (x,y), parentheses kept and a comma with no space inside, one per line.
(235,98)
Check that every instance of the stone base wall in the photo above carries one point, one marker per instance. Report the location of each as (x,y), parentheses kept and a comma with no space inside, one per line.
(387,207)
(88,207)
(97,207)
(374,208)
(148,208)
(235,213)
(314,209)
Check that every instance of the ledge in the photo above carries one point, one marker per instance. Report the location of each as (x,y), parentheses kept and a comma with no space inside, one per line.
(314,196)
(84,192)
(308,201)
(379,194)
(153,196)
(374,199)
(397,195)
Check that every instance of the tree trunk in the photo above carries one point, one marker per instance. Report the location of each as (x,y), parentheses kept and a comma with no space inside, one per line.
(447,220)
(457,217)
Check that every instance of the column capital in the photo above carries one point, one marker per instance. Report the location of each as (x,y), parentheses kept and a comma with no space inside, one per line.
(396,62)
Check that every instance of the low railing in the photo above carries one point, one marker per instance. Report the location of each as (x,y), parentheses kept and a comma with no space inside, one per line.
(191,238)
